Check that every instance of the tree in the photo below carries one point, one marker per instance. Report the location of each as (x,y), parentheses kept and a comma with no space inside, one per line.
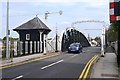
(112,32)
(10,38)
(114,27)
(0,38)
(97,38)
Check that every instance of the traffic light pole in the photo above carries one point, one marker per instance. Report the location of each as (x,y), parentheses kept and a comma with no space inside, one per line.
(118,56)
(117,13)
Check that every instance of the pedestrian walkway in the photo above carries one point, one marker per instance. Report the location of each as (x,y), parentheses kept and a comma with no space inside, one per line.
(22,59)
(106,67)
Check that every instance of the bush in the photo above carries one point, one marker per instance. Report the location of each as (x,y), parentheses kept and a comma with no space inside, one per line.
(4,53)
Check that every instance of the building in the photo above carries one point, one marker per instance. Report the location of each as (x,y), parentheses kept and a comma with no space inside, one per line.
(93,42)
(32,36)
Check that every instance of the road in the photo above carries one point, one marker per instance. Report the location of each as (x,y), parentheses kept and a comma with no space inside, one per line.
(65,65)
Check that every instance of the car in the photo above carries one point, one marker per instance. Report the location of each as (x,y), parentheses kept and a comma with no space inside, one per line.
(75,47)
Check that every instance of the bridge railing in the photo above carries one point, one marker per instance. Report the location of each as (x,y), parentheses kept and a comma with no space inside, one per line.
(19,48)
(51,45)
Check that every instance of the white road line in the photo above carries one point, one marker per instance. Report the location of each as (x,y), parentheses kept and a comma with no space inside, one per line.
(17,77)
(52,64)
(74,55)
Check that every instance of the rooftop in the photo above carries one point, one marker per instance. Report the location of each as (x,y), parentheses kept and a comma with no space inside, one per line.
(34,23)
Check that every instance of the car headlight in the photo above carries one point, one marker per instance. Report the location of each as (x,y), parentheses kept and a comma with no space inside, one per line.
(77,48)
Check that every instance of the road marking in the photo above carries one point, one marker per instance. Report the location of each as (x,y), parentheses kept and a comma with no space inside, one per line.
(52,64)
(74,55)
(21,63)
(17,77)
(87,67)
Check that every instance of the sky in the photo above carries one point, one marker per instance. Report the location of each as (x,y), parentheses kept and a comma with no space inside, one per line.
(21,11)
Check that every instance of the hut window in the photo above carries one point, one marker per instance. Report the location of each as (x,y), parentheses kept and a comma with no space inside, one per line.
(27,36)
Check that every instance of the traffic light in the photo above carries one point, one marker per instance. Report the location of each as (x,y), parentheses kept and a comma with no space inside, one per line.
(117,8)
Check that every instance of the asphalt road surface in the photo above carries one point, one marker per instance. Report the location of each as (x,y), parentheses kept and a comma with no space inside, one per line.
(65,65)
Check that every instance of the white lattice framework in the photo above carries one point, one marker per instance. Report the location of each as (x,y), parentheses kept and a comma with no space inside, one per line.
(104,28)
(89,21)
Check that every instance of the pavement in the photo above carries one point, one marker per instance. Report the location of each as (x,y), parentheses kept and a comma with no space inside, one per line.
(4,62)
(106,67)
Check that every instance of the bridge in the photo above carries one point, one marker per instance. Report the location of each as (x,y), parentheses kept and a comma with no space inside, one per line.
(72,34)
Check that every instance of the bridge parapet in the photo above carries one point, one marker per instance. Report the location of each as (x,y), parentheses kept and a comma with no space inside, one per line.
(72,35)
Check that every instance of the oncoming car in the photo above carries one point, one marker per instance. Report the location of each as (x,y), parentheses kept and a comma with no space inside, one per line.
(75,47)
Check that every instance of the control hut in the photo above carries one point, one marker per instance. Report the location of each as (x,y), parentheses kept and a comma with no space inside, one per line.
(32,36)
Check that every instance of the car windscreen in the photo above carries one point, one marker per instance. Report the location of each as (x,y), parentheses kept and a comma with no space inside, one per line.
(74,45)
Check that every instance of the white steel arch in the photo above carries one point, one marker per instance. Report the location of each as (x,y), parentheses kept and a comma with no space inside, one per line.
(86,21)
(64,32)
(104,28)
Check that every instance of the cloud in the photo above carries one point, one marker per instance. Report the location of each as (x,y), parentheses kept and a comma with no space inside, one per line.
(50,1)
(65,22)
(67,2)
(92,3)
(58,1)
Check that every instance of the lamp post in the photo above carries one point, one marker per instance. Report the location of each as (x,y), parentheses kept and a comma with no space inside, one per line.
(46,16)
(56,45)
(7,32)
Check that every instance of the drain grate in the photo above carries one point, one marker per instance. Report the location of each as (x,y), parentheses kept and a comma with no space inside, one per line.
(109,75)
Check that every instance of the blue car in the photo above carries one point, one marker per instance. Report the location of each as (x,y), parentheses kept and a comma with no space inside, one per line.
(75,47)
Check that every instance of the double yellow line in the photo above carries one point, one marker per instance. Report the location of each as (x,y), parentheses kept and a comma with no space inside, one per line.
(25,62)
(87,67)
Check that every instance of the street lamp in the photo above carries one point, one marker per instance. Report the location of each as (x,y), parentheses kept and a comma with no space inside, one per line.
(46,13)
(7,32)
(46,16)
(56,47)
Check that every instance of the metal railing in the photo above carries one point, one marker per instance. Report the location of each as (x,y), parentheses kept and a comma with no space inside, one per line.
(30,47)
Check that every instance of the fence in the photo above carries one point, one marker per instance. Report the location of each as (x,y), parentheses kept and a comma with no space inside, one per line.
(19,48)
(51,45)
